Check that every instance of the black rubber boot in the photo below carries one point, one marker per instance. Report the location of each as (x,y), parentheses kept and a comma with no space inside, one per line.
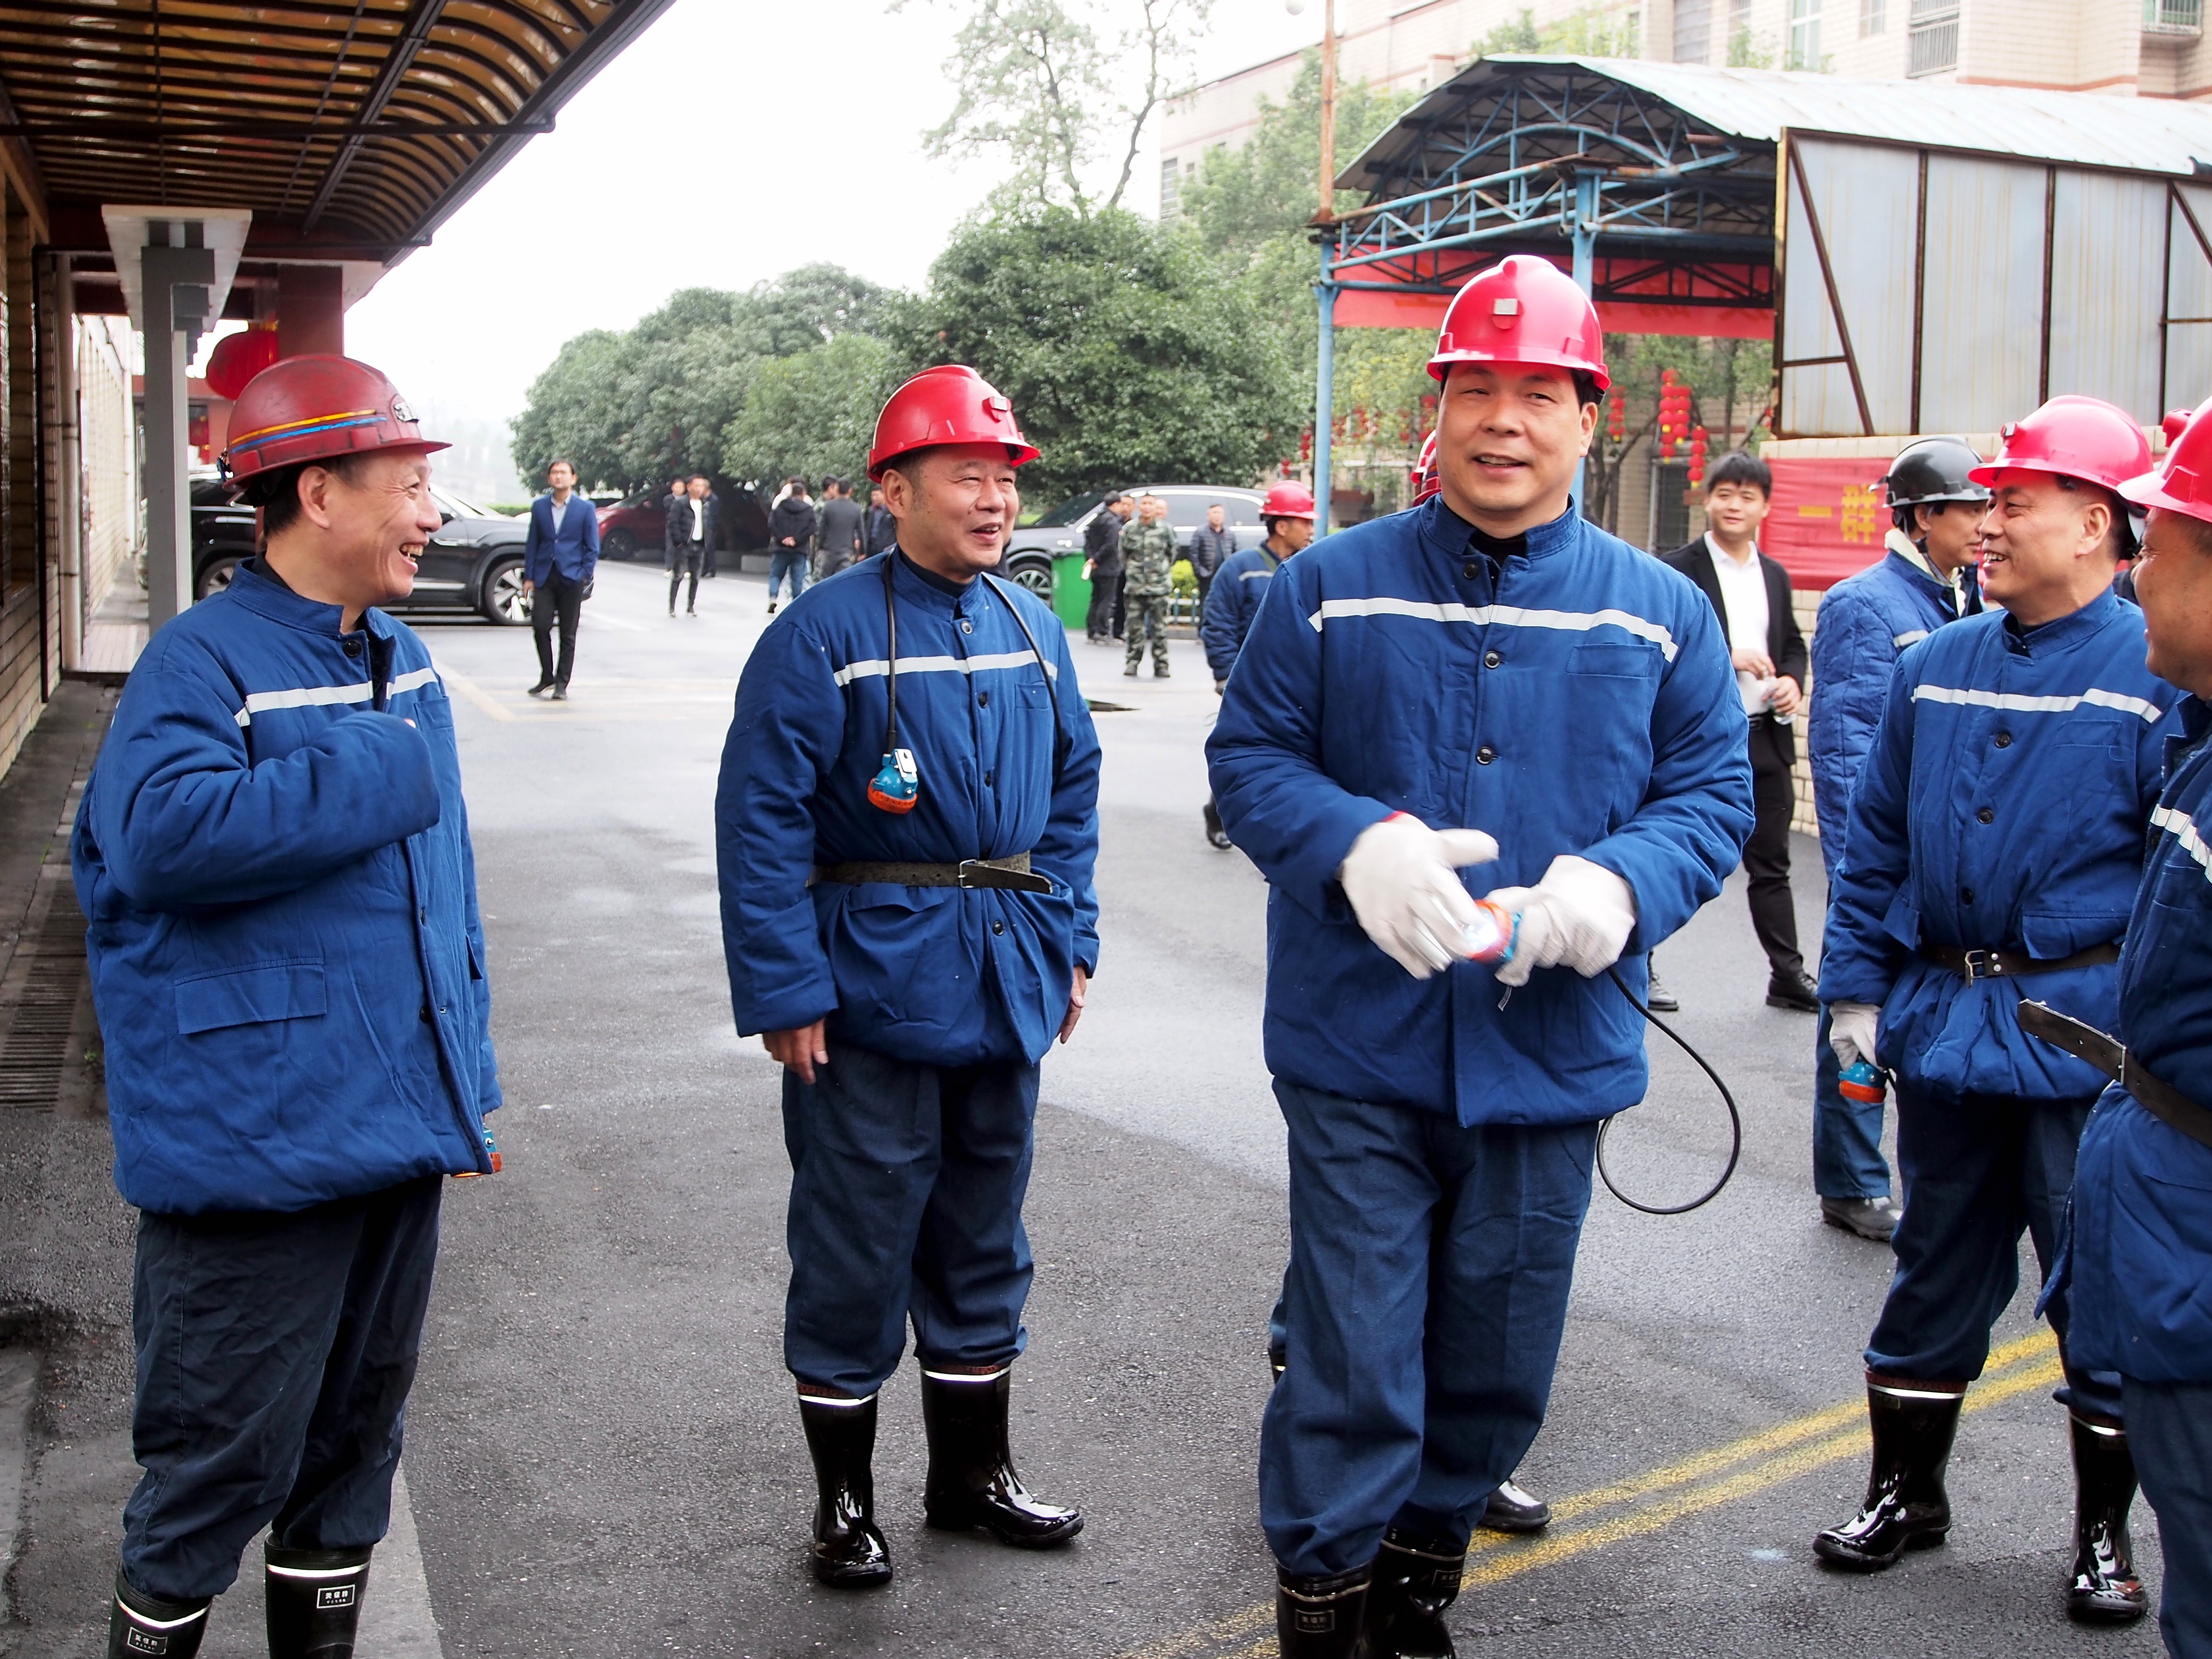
(972,1482)
(849,1552)
(1512,1507)
(1215,835)
(1905,1506)
(314,1601)
(2104,1589)
(1415,1579)
(146,1624)
(1320,1618)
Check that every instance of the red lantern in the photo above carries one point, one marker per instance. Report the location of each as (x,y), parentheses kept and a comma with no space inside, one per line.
(237,358)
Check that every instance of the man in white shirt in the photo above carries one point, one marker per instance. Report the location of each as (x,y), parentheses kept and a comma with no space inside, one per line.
(1753,599)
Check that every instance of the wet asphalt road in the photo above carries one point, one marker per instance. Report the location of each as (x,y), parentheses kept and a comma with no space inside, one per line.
(603,1450)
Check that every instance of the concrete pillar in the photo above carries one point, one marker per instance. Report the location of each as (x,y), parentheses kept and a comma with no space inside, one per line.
(310,310)
(176,281)
(24,529)
(67,438)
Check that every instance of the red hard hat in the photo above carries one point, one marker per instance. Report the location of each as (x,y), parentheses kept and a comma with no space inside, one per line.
(1525,310)
(314,407)
(950,404)
(1425,481)
(2182,483)
(2176,421)
(1287,500)
(2073,437)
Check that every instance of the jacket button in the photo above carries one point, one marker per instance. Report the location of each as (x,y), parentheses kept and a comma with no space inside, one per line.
(982,700)
(967,627)
(1985,815)
(998,926)
(352,647)
(1965,896)
(990,779)
(1491,659)
(2004,739)
(1471,569)
(1485,754)
(426,1013)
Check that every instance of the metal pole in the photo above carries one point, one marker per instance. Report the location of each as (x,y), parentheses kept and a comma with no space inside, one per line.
(1585,229)
(1324,391)
(174,279)
(1328,210)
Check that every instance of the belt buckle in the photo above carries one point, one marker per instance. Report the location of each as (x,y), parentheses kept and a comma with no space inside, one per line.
(1981,964)
(963,872)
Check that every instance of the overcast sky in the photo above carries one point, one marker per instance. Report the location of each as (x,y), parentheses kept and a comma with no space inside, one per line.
(727,144)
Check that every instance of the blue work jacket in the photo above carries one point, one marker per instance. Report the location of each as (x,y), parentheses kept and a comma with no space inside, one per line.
(273,855)
(2140,1253)
(1230,605)
(2002,806)
(935,975)
(1579,699)
(1866,621)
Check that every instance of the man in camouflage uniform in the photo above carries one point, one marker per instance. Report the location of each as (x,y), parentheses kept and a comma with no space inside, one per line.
(1148,553)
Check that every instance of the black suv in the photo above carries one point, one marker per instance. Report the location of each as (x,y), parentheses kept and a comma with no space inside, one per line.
(1031,549)
(473,563)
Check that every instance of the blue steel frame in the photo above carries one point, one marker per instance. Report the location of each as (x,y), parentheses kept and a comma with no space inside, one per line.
(1543,156)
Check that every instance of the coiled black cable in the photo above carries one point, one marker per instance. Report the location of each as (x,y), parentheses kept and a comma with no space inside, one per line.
(1736,1119)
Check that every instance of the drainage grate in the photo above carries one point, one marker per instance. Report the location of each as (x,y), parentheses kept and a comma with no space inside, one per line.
(45,982)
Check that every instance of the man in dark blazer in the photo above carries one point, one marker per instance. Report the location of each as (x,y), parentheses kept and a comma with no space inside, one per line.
(1752,597)
(559,558)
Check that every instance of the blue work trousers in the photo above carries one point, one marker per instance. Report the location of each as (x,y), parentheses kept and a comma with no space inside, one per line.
(788,561)
(1427,1292)
(907,1184)
(2170,1432)
(275,1355)
(1847,1160)
(1979,1171)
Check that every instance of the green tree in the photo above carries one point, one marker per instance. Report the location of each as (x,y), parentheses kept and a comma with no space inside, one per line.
(813,413)
(574,412)
(1124,348)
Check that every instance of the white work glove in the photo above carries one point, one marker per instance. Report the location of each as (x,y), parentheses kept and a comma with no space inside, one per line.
(1402,879)
(1578,916)
(1851,1031)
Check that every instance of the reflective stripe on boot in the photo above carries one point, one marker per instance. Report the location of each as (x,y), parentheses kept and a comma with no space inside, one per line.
(1906,1507)
(139,1624)
(314,1601)
(1320,1618)
(2104,1589)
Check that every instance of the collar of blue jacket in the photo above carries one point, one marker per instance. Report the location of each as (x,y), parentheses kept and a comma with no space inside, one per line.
(2063,632)
(261,591)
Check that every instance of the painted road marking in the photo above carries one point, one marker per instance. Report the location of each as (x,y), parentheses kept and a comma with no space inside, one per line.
(623,700)
(1659,1497)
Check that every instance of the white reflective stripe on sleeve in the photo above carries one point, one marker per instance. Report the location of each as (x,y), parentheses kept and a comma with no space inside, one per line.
(2015,703)
(1911,636)
(306,696)
(876,667)
(1506,616)
(1256,575)
(2182,829)
(413,679)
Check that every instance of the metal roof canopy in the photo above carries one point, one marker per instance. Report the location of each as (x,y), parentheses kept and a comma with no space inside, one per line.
(1660,183)
(350,132)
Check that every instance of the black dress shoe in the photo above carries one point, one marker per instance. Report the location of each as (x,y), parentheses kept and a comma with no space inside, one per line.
(1414,1580)
(2104,1588)
(541,688)
(1795,990)
(560,694)
(1512,1507)
(1906,1507)
(1320,1618)
(1215,835)
(972,1481)
(849,1552)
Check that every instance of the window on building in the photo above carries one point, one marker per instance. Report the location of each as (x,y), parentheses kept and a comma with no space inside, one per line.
(1933,38)
(1738,47)
(1170,189)
(1874,17)
(1670,505)
(1804,35)
(2173,16)
(1693,31)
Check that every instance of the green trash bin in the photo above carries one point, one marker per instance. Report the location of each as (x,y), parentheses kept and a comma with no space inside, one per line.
(1070,590)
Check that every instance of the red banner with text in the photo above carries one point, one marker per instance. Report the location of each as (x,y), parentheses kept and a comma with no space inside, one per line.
(1828,521)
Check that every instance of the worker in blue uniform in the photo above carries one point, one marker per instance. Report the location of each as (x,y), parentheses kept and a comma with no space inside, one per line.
(1995,839)
(1866,621)
(1487,659)
(289,965)
(1287,511)
(2140,1250)
(906,826)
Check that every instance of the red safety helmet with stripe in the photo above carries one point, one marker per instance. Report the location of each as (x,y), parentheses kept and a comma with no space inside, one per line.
(2182,483)
(1426,482)
(1522,310)
(2073,437)
(949,404)
(316,407)
(1287,500)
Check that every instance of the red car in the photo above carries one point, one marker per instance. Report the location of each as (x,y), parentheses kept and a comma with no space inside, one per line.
(637,524)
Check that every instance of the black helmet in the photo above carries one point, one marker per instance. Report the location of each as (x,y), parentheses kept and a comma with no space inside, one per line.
(1931,470)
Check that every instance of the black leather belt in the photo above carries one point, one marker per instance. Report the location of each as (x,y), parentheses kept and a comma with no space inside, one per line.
(2110,1055)
(2008,963)
(1012,873)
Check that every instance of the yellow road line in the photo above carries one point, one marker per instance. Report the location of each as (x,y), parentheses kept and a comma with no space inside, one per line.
(475,693)
(1774,1456)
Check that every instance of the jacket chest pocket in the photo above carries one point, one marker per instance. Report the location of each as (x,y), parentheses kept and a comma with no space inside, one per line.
(259,994)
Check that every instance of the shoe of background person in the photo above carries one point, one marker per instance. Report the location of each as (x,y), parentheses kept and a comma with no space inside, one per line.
(1796,991)
(1658,998)
(1320,1618)
(771,607)
(312,1601)
(541,688)
(1128,673)
(1872,1218)
(1906,1507)
(849,1552)
(2104,1589)
(1215,835)
(1414,1580)
(1513,1508)
(560,694)
(141,1624)
(972,1481)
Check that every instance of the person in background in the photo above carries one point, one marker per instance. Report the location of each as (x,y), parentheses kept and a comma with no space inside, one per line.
(1148,555)
(791,527)
(1288,515)
(839,539)
(1866,620)
(1212,545)
(882,527)
(560,556)
(683,537)
(1752,597)
(1101,566)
